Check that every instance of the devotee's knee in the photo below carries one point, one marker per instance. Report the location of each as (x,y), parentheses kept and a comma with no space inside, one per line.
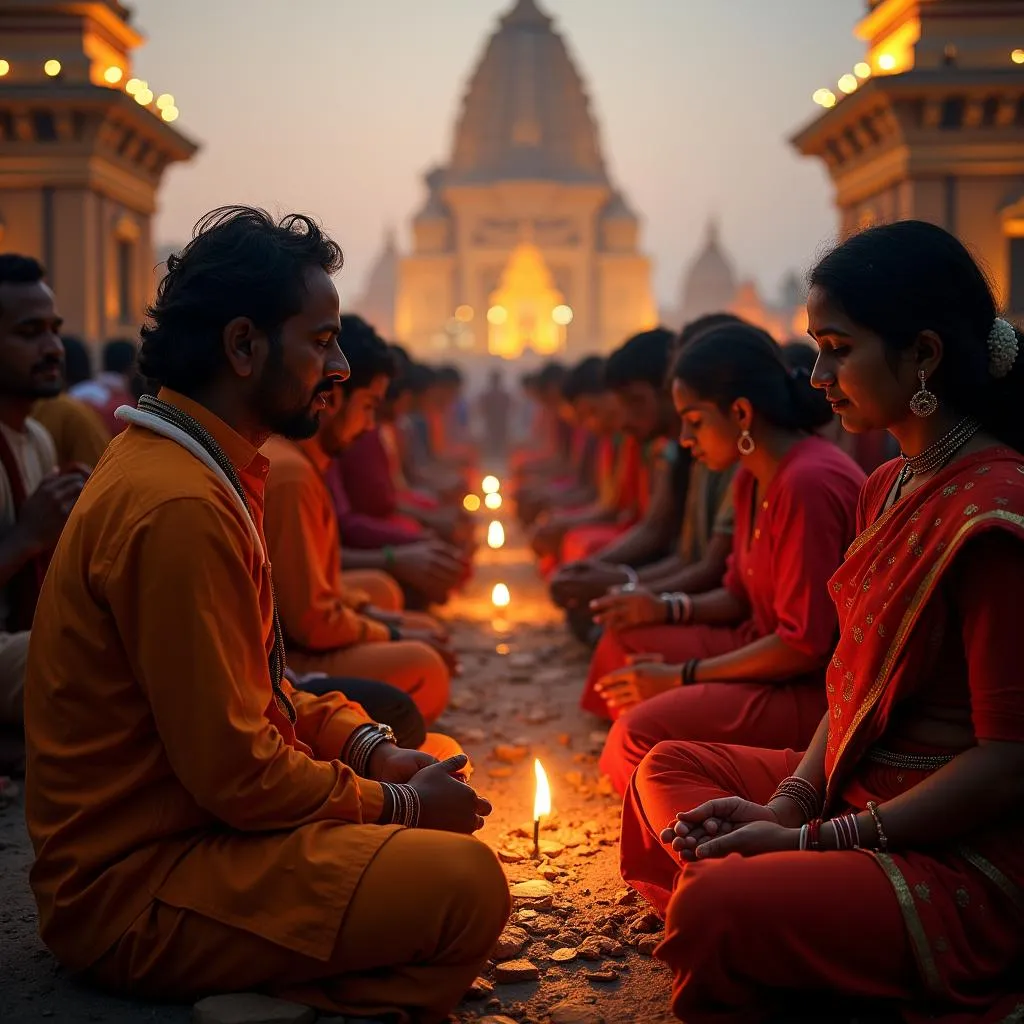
(426,677)
(631,738)
(708,902)
(382,589)
(13,656)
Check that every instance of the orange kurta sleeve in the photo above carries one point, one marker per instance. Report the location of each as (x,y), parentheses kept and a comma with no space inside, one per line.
(302,536)
(325,723)
(185,566)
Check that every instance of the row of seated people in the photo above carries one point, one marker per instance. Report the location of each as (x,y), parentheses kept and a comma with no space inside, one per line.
(213,805)
(817,719)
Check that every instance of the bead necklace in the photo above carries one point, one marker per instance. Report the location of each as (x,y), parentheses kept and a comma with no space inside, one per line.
(943,450)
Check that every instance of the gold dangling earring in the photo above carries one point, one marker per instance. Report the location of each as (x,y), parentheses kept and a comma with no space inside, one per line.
(924,403)
(745,443)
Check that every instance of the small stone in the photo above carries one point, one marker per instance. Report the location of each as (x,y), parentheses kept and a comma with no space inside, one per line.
(509,753)
(646,924)
(511,971)
(625,898)
(538,715)
(250,1008)
(598,738)
(549,848)
(523,660)
(480,989)
(563,955)
(564,739)
(603,977)
(548,874)
(546,924)
(575,1013)
(511,856)
(500,772)
(615,949)
(497,1020)
(510,943)
(471,735)
(575,779)
(492,1005)
(648,944)
(590,949)
(526,915)
(534,889)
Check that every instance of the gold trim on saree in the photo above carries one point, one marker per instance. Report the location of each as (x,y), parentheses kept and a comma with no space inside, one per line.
(914,925)
(909,620)
(993,874)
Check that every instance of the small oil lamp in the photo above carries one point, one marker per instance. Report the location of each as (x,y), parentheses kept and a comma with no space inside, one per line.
(493,501)
(495,535)
(490,485)
(541,803)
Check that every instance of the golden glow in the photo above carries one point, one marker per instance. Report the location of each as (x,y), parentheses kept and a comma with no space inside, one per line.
(497,315)
(848,84)
(1017,56)
(52,67)
(542,794)
(500,597)
(562,315)
(495,535)
(825,98)
(134,85)
(490,485)
(887,62)
(471,503)
(164,100)
(526,297)
(464,314)
(5,67)
(113,75)
(862,69)
(493,502)
(169,114)
(144,97)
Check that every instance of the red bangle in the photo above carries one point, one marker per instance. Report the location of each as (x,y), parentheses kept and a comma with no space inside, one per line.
(814,834)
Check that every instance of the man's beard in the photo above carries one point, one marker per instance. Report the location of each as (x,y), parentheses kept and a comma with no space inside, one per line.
(32,388)
(278,410)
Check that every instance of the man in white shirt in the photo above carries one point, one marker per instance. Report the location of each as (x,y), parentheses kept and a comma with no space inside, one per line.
(35,498)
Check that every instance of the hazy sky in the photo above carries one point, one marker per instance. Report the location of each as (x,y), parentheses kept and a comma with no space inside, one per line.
(337,107)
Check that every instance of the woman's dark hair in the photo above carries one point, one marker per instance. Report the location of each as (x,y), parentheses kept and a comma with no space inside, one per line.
(240,262)
(120,356)
(367,353)
(77,361)
(742,361)
(644,357)
(900,279)
(420,377)
(585,378)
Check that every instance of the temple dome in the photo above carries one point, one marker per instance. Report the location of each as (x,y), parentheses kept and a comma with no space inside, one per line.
(526,114)
(710,285)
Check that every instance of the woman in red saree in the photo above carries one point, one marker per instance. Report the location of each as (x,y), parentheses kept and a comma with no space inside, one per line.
(887,862)
(743,663)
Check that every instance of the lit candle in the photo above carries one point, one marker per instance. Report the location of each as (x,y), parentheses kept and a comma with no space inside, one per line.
(495,535)
(541,803)
(471,503)
(500,597)
(492,501)
(490,485)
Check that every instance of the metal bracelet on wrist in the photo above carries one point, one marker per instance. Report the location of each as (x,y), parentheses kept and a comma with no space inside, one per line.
(362,743)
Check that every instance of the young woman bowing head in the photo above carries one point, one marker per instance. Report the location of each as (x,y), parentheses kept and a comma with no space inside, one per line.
(888,860)
(745,663)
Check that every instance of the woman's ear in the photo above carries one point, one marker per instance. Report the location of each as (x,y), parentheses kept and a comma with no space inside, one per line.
(742,413)
(927,352)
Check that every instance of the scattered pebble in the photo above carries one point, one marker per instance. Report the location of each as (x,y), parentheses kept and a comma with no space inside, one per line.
(563,955)
(510,943)
(480,989)
(602,977)
(511,971)
(509,753)
(534,889)
(648,944)
(575,1013)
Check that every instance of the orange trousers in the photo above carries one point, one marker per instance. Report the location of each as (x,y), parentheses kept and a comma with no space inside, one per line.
(425,915)
(751,938)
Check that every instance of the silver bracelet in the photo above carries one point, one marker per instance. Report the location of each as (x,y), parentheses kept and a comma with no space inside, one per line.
(360,746)
(405,804)
(804,832)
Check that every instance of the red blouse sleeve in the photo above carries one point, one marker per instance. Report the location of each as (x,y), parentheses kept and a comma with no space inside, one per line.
(988,591)
(812,525)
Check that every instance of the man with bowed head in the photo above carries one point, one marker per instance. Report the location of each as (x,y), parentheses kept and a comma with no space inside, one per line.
(200,826)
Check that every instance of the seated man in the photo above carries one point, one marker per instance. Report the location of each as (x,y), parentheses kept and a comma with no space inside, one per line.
(327,626)
(200,825)
(35,498)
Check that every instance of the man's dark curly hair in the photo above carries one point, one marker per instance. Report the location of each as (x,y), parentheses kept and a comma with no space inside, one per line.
(240,262)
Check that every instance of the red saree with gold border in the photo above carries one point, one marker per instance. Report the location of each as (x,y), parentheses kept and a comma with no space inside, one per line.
(884,595)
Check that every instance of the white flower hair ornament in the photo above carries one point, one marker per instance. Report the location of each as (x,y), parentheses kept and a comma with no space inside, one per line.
(1002,348)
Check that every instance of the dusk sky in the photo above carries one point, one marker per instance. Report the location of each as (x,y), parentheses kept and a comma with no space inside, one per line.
(337,107)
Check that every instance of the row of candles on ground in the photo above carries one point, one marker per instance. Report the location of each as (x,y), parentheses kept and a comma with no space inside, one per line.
(491,487)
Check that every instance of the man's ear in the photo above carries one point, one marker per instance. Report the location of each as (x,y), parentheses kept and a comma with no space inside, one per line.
(239,339)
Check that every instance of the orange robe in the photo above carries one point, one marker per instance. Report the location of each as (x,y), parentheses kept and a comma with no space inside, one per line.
(324,631)
(189,837)
(78,431)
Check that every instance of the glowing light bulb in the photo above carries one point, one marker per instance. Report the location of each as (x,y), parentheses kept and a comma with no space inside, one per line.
(464,314)
(5,67)
(113,75)
(823,96)
(1017,56)
(164,100)
(495,535)
(144,97)
(133,85)
(862,69)
(493,502)
(471,503)
(500,597)
(490,485)
(887,62)
(848,84)
(52,68)
(562,315)
(497,315)
(169,114)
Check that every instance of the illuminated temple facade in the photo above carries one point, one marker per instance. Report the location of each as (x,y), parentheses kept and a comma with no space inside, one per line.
(930,126)
(523,242)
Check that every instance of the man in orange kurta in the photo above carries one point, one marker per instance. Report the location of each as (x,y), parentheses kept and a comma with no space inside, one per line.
(199,825)
(329,626)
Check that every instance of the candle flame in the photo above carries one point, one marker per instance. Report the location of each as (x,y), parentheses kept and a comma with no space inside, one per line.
(493,501)
(471,503)
(500,597)
(490,485)
(495,535)
(542,799)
